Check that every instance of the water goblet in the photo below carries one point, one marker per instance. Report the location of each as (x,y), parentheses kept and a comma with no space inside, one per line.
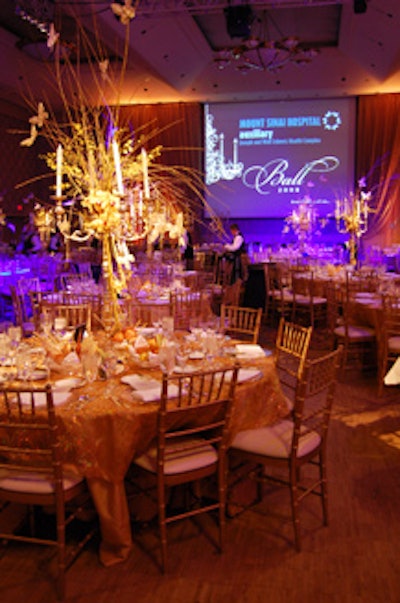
(24,363)
(90,366)
(167,356)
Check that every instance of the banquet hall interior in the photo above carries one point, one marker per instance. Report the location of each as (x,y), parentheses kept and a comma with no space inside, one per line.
(134,134)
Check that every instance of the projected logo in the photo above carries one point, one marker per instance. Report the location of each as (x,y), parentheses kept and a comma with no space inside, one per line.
(332,120)
(274,174)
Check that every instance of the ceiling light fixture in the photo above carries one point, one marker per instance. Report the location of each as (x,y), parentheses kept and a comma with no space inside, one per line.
(259,52)
(39,13)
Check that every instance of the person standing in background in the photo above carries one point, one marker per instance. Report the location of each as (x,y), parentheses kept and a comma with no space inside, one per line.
(188,251)
(235,252)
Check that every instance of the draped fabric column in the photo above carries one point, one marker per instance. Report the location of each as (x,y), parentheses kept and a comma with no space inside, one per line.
(378,158)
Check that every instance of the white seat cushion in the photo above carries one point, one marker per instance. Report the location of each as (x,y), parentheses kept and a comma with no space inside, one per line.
(180,458)
(305,299)
(275,441)
(302,299)
(394,344)
(33,483)
(355,332)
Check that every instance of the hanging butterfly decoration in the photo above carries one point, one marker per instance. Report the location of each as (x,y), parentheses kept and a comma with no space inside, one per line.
(39,119)
(36,121)
(125,12)
(52,37)
(103,66)
(28,142)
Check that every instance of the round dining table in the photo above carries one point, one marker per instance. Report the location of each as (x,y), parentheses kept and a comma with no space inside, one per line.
(105,424)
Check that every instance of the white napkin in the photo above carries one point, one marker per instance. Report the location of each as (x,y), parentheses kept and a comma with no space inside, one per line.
(249,350)
(392,377)
(244,374)
(40,398)
(149,390)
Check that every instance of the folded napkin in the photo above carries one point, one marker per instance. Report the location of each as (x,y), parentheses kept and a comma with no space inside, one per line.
(149,390)
(40,398)
(392,377)
(249,350)
(244,374)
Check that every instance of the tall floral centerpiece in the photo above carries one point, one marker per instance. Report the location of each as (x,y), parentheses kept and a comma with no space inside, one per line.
(109,184)
(351,215)
(304,223)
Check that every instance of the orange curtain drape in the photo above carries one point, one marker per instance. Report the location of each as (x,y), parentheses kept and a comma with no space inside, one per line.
(378,159)
(177,127)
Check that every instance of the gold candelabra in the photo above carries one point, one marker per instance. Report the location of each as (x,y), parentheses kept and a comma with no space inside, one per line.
(351,214)
(303,221)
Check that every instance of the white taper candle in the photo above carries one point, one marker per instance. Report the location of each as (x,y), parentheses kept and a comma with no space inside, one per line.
(117,165)
(59,162)
(145,164)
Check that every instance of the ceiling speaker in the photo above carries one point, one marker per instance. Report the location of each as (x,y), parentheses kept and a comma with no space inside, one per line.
(360,6)
(238,21)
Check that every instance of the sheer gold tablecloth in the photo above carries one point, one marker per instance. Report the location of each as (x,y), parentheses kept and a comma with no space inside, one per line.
(101,435)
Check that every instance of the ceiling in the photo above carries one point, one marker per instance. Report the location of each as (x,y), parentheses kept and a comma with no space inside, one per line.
(173,44)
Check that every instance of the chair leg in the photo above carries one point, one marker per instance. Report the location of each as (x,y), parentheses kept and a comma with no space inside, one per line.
(295,507)
(222,514)
(61,561)
(324,488)
(260,484)
(162,526)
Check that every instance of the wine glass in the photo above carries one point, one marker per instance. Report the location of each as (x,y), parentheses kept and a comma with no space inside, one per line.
(24,363)
(167,356)
(90,366)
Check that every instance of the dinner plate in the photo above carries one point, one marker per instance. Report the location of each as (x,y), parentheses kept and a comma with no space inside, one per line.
(196,356)
(185,370)
(38,374)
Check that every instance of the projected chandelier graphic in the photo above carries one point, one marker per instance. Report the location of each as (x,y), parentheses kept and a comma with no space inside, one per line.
(217,168)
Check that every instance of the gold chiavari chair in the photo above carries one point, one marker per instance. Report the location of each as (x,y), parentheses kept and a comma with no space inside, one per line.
(240,322)
(191,445)
(74,315)
(32,474)
(278,291)
(189,307)
(388,334)
(21,319)
(358,340)
(309,306)
(145,314)
(294,442)
(292,344)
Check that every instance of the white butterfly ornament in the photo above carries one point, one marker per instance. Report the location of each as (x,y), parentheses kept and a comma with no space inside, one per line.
(126,12)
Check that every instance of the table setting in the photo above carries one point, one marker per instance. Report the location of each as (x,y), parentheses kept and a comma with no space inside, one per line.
(107,407)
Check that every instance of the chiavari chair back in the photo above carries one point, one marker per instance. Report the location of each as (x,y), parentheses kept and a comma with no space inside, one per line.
(241,322)
(292,345)
(191,445)
(189,307)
